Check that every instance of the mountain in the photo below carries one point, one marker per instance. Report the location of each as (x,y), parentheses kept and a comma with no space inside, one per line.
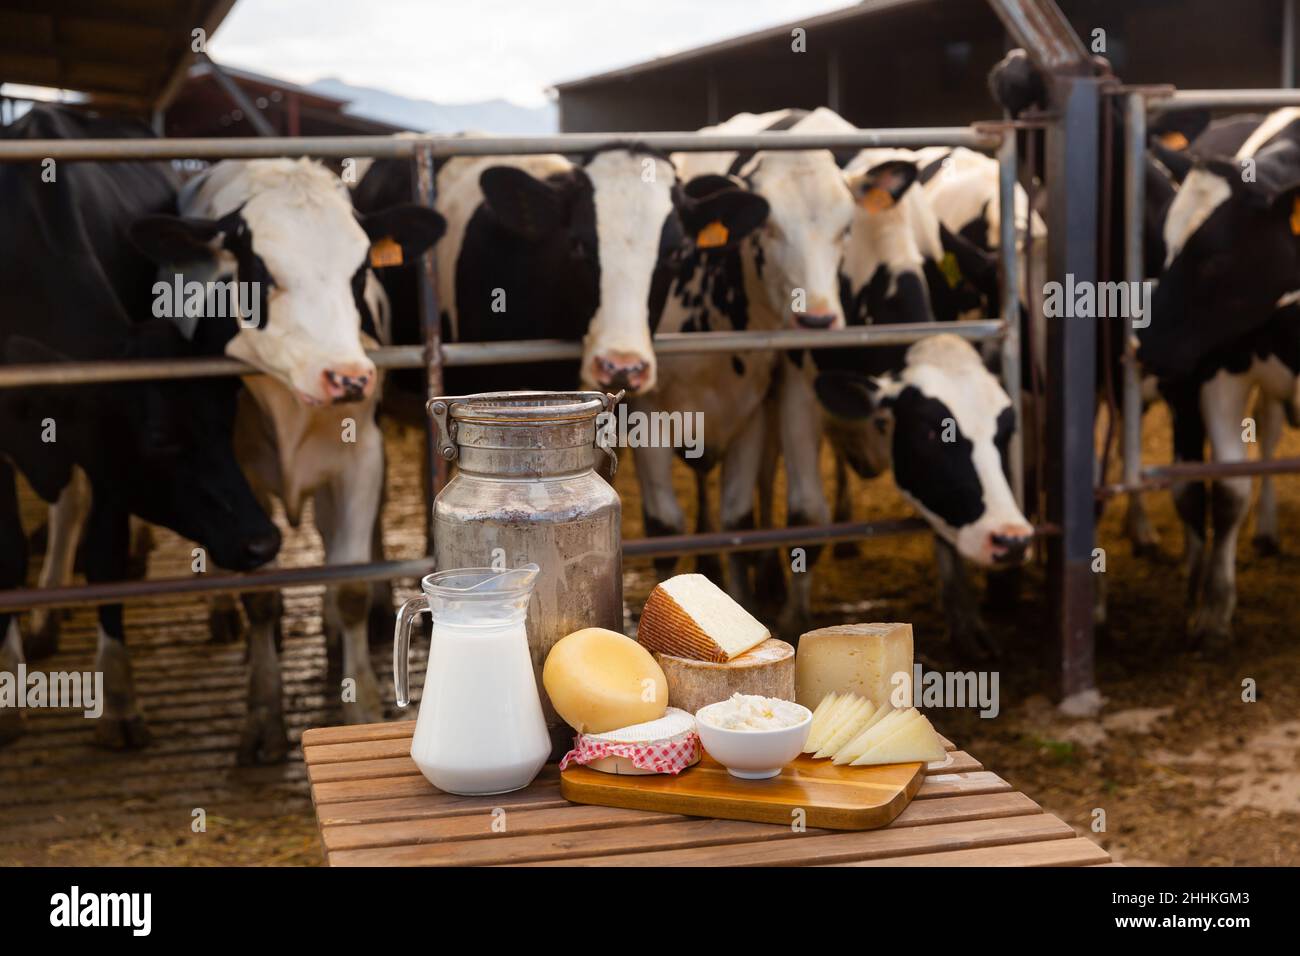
(490,116)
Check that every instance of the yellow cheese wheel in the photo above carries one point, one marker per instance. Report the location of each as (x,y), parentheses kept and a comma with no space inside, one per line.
(600,680)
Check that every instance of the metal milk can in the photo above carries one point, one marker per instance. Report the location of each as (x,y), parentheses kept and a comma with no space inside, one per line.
(525,491)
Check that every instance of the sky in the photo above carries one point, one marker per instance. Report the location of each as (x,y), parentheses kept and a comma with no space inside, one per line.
(461,51)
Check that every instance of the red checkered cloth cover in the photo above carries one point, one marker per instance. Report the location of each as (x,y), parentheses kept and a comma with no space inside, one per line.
(670,756)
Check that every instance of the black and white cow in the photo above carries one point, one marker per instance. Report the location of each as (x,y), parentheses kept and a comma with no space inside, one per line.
(946,422)
(1224,324)
(74,288)
(550,247)
(307,430)
(786,275)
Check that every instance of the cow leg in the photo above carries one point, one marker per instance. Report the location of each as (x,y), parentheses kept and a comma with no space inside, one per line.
(345,515)
(382,619)
(1269,418)
(1223,403)
(13,572)
(966,631)
(801,435)
(769,577)
(121,726)
(708,565)
(661,512)
(1137,524)
(67,519)
(225,623)
(844,509)
(263,739)
(740,469)
(1189,496)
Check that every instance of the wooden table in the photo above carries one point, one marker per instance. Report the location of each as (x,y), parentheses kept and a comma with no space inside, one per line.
(375,809)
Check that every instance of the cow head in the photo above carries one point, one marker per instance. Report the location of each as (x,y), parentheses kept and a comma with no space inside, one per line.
(883,263)
(285,231)
(798,250)
(621,215)
(161,449)
(1232,251)
(948,422)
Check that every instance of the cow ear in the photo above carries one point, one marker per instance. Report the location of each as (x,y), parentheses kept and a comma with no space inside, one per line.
(175,240)
(717,214)
(883,185)
(848,395)
(1178,161)
(401,233)
(522,203)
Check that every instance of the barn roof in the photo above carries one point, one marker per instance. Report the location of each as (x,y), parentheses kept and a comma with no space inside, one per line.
(130,54)
(733,44)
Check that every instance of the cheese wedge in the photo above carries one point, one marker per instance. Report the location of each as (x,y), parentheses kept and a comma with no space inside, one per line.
(870,660)
(832,720)
(690,616)
(915,741)
(871,736)
(847,728)
(819,715)
(857,745)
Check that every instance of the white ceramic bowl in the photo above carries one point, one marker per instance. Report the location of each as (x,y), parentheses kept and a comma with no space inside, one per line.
(753,754)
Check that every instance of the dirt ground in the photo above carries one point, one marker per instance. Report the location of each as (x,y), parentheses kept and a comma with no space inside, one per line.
(1182,770)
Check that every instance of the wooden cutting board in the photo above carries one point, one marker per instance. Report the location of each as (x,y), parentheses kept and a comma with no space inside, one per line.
(835,798)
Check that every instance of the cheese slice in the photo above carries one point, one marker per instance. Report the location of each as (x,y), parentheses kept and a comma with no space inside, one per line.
(766,670)
(848,728)
(858,658)
(858,744)
(914,741)
(831,721)
(883,732)
(870,736)
(599,680)
(819,715)
(690,616)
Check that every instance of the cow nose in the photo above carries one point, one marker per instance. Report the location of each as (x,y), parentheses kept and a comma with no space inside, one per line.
(347,384)
(1010,543)
(815,320)
(615,371)
(262,548)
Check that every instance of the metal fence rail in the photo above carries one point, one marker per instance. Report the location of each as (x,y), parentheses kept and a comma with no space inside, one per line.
(435,355)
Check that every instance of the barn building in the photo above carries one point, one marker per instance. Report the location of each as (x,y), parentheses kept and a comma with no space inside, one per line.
(884,63)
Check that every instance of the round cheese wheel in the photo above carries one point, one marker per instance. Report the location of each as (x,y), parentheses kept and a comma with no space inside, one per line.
(600,680)
(673,728)
(766,670)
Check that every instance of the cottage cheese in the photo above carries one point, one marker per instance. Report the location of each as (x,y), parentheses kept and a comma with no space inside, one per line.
(752,712)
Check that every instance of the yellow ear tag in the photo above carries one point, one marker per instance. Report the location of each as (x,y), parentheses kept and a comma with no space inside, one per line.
(951,271)
(1295,216)
(385,252)
(712,236)
(1173,140)
(876,199)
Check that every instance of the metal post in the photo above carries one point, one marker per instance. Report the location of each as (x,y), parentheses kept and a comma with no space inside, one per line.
(1072,176)
(436,472)
(1011,305)
(1288,44)
(239,98)
(1135,139)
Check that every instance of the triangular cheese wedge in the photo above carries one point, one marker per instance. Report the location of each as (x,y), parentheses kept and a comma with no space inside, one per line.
(887,725)
(858,745)
(833,716)
(917,741)
(819,715)
(847,729)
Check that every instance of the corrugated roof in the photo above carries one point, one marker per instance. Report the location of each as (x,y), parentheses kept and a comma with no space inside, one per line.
(131,54)
(862,9)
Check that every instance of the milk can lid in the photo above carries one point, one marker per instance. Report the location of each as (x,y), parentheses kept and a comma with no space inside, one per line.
(505,407)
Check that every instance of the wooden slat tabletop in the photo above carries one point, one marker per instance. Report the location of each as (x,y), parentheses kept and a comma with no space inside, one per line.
(375,809)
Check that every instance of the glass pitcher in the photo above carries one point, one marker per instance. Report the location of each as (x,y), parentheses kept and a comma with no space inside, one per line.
(480,728)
